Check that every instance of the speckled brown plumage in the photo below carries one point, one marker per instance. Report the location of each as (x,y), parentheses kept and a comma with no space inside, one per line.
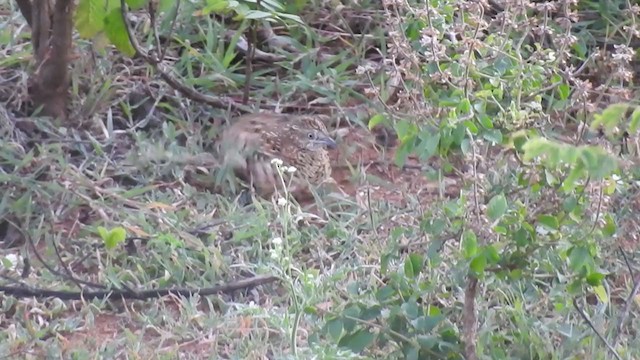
(253,140)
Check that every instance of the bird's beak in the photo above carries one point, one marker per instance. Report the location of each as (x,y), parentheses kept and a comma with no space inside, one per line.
(327,141)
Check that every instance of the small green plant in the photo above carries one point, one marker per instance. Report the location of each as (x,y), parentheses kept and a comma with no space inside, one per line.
(112,238)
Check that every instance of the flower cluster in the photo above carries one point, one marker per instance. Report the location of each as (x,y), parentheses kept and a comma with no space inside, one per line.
(280,164)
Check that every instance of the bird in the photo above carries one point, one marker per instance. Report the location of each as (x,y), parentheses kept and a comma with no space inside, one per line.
(252,144)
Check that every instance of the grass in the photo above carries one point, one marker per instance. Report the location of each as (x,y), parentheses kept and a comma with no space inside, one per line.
(384,273)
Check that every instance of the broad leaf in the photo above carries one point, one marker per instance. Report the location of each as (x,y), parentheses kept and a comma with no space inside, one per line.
(497,207)
(117,33)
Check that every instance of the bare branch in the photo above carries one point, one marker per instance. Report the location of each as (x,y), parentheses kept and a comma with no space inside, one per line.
(137,295)
(69,276)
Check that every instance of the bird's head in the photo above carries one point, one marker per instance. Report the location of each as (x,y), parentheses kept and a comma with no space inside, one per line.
(312,134)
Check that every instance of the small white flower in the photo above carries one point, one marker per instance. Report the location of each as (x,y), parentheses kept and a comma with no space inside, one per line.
(13,261)
(276,162)
(282,201)
(291,169)
(277,241)
(273,254)
(384,313)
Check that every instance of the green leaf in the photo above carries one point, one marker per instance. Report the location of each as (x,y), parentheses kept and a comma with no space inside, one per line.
(425,324)
(433,252)
(402,152)
(257,14)
(231,52)
(413,28)
(170,240)
(385,293)
(273,5)
(478,264)
(427,341)
(216,6)
(491,254)
(610,117)
(601,293)
(411,352)
(295,18)
(550,222)
(334,328)
(350,313)
(136,4)
(575,287)
(357,341)
(569,203)
(410,308)
(464,106)
(115,237)
(405,130)
(166,5)
(595,278)
(485,121)
(571,181)
(493,135)
(370,313)
(471,126)
(469,244)
(500,230)
(535,147)
(563,91)
(521,237)
(579,258)
(117,33)
(434,311)
(375,120)
(497,207)
(104,233)
(429,141)
(609,228)
(465,146)
(413,265)
(89,16)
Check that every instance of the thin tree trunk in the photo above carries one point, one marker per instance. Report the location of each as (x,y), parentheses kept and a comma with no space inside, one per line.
(52,29)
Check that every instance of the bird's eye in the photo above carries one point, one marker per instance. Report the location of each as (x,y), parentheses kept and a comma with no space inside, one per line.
(311,135)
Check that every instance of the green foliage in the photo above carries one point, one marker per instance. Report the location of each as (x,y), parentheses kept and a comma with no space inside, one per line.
(580,161)
(536,220)
(497,207)
(94,17)
(116,31)
(269,10)
(90,16)
(401,318)
(113,237)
